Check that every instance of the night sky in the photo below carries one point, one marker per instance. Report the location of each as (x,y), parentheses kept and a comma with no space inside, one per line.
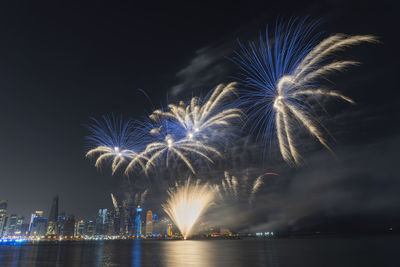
(61,64)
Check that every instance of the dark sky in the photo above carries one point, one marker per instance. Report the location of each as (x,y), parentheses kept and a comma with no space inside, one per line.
(61,64)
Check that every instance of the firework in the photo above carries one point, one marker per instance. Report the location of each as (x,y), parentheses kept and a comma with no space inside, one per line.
(283,75)
(115,140)
(170,143)
(187,203)
(171,148)
(201,117)
(232,189)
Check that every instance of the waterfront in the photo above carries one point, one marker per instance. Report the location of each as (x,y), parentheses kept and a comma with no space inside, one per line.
(311,251)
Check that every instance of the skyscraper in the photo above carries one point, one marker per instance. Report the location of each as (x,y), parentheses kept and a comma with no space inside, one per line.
(3,206)
(60,223)
(169,230)
(101,222)
(69,226)
(138,221)
(80,228)
(90,228)
(11,225)
(3,216)
(34,215)
(117,216)
(38,226)
(52,229)
(15,226)
(156,229)
(149,222)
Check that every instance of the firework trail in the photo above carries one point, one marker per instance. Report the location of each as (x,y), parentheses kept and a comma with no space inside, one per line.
(233,189)
(200,117)
(115,140)
(187,203)
(115,203)
(282,75)
(143,196)
(256,185)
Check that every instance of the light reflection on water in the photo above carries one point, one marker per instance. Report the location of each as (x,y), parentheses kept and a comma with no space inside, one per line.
(344,251)
(188,253)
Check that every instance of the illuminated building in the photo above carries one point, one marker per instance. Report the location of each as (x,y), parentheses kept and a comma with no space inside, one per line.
(20,227)
(60,224)
(3,217)
(101,222)
(38,227)
(110,223)
(80,228)
(155,224)
(138,222)
(125,217)
(34,215)
(169,230)
(149,222)
(132,214)
(69,227)
(52,228)
(3,206)
(116,221)
(90,227)
(11,225)
(225,232)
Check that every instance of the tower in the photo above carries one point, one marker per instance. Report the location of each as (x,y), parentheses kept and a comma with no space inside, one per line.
(69,227)
(3,216)
(36,214)
(101,222)
(52,229)
(169,230)
(156,229)
(138,222)
(149,222)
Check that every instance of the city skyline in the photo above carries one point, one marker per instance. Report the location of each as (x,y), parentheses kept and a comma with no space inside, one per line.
(106,223)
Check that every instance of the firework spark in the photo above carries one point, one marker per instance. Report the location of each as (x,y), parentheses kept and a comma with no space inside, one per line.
(232,189)
(187,203)
(177,149)
(282,76)
(115,140)
(201,117)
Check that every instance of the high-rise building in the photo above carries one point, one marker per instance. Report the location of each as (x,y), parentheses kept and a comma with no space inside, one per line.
(90,228)
(11,224)
(132,214)
(60,223)
(34,215)
(156,229)
(125,215)
(69,227)
(3,217)
(52,228)
(110,222)
(80,228)
(3,206)
(149,222)
(138,222)
(116,221)
(101,221)
(169,230)
(38,226)
(20,228)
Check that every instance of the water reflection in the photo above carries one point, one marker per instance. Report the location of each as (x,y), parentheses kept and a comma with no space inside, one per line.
(136,250)
(188,253)
(272,253)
